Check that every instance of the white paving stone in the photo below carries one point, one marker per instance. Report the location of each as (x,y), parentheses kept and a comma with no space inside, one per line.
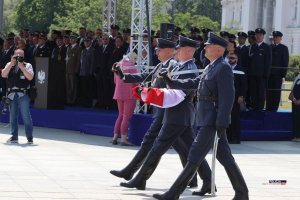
(69,165)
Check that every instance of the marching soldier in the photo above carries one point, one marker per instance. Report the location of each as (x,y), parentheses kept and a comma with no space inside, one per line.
(165,52)
(177,122)
(215,99)
(280,61)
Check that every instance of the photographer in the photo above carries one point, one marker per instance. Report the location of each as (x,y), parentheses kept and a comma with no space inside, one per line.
(19,74)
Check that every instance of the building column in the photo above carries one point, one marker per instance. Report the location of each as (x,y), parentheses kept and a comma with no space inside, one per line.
(268,21)
(259,13)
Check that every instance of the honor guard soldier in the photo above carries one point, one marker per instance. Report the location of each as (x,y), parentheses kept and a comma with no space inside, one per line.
(242,50)
(177,121)
(200,60)
(165,51)
(225,35)
(195,34)
(215,100)
(280,61)
(259,69)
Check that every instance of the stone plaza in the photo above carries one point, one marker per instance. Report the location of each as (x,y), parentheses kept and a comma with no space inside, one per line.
(70,165)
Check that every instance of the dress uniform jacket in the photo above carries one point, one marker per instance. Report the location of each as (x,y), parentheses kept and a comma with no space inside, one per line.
(183,113)
(243,53)
(260,60)
(280,60)
(215,94)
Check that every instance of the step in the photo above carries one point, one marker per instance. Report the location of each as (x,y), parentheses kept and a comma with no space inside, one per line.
(97,129)
(266,135)
(252,124)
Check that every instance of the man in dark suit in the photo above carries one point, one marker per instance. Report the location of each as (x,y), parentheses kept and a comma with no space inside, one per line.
(259,69)
(165,52)
(7,52)
(215,99)
(57,75)
(86,73)
(240,86)
(177,122)
(72,69)
(280,61)
(103,69)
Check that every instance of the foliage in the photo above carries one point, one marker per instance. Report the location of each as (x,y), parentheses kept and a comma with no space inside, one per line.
(38,14)
(72,14)
(78,14)
(294,63)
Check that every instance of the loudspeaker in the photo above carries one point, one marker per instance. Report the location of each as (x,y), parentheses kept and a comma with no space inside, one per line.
(167,31)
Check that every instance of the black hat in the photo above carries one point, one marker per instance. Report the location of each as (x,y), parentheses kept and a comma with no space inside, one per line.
(187,42)
(224,34)
(127,30)
(251,33)
(206,30)
(277,33)
(214,39)
(43,36)
(56,32)
(232,36)
(195,30)
(164,43)
(60,37)
(242,34)
(67,32)
(178,29)
(260,30)
(26,29)
(88,39)
(114,27)
(73,35)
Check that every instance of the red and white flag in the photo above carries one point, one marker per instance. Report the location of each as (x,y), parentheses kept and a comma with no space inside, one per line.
(159,97)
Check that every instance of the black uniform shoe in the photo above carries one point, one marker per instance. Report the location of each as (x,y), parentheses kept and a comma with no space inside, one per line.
(29,141)
(206,189)
(12,140)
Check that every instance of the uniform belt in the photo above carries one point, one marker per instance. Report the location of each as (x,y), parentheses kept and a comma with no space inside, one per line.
(207,98)
(17,90)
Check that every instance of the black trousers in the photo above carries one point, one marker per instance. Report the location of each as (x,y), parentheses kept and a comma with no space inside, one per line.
(204,142)
(296,120)
(234,129)
(152,133)
(257,92)
(273,93)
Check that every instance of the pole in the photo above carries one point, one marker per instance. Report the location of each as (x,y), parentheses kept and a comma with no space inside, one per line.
(1,15)
(149,33)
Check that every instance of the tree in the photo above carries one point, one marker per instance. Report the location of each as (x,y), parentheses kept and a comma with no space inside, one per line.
(38,14)
(78,14)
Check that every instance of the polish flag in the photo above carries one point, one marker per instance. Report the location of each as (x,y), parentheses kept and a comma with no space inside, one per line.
(160,97)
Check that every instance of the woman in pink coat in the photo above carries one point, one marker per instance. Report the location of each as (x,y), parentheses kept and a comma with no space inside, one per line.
(125,100)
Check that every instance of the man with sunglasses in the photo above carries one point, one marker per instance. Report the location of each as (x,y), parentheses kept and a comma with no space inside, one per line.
(240,86)
(19,74)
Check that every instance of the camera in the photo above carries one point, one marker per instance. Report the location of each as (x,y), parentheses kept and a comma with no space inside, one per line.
(19,58)
(5,105)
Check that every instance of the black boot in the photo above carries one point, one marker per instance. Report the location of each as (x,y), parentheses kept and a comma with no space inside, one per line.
(237,181)
(205,174)
(180,184)
(128,172)
(183,159)
(149,166)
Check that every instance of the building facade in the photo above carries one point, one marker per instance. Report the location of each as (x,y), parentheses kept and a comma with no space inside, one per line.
(279,15)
